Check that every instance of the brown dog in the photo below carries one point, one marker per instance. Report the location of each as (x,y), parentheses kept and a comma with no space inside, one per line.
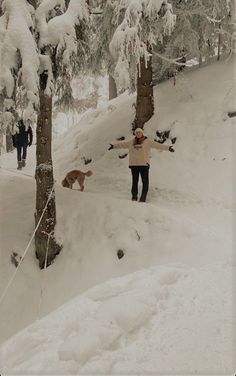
(74,175)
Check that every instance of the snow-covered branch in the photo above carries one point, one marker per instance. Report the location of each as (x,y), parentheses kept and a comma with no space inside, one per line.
(172,61)
(143,23)
(230,35)
(18,48)
(18,51)
(42,16)
(34,41)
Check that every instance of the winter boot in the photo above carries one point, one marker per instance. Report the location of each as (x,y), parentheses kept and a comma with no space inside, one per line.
(142,199)
(23,163)
(19,167)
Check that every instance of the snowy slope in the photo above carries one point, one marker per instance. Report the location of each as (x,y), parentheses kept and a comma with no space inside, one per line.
(159,320)
(185,229)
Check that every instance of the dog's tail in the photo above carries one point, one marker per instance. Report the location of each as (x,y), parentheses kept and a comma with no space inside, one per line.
(88,173)
(63,183)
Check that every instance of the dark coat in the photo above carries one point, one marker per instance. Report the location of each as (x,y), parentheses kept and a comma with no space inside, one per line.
(22,137)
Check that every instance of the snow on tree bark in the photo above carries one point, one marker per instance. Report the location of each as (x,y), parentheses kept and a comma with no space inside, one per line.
(144,102)
(38,42)
(112,87)
(45,243)
(9,143)
(141,24)
(58,32)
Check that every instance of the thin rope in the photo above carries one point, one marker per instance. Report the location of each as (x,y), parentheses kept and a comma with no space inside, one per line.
(27,248)
(42,280)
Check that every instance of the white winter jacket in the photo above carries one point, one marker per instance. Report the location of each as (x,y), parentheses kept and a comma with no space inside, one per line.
(139,154)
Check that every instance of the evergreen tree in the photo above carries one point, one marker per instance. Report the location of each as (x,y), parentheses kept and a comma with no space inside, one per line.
(40,45)
(139,24)
(103,30)
(202,30)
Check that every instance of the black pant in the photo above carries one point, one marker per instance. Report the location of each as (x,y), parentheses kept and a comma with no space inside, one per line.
(21,152)
(144,172)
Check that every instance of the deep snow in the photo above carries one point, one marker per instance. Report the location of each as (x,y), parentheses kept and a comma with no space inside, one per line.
(175,313)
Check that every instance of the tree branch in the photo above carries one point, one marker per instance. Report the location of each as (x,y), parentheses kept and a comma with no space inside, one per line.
(222,31)
(172,61)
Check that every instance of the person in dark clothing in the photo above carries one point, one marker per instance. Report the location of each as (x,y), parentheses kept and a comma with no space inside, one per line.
(21,140)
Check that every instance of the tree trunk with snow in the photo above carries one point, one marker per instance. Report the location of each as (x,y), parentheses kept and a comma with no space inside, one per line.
(9,143)
(112,87)
(1,143)
(46,247)
(144,101)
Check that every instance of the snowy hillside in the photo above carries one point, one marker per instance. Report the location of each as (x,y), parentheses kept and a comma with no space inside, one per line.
(160,320)
(174,312)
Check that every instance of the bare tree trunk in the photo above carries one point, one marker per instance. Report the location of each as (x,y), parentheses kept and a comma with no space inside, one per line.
(45,243)
(144,101)
(200,52)
(200,41)
(1,106)
(219,44)
(112,88)
(1,143)
(9,143)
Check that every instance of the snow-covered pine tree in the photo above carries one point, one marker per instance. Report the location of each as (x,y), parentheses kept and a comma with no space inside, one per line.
(182,43)
(140,23)
(207,22)
(196,34)
(103,29)
(40,42)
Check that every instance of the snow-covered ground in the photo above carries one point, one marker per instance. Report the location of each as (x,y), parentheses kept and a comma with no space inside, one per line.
(167,305)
